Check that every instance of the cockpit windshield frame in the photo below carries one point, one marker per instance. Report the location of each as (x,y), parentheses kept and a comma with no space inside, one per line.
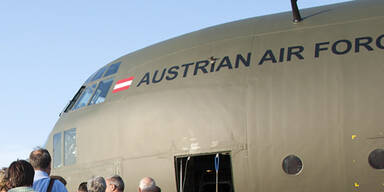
(87,91)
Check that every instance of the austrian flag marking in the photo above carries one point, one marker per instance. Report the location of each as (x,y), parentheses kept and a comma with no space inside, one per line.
(122,84)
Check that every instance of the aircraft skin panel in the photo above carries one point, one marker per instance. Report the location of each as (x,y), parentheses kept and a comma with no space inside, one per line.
(262,89)
(316,106)
(313,17)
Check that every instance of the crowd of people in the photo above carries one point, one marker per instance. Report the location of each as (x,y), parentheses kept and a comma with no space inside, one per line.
(34,176)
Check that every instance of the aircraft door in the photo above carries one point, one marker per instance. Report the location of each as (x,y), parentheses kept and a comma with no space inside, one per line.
(204,173)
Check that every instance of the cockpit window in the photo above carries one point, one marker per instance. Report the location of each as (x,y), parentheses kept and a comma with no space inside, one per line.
(75,98)
(88,94)
(101,92)
(84,98)
(112,69)
(99,73)
(90,78)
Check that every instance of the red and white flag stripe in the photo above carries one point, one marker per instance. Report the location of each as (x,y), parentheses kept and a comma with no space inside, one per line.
(122,84)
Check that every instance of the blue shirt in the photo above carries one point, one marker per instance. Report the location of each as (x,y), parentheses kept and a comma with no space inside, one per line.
(41,182)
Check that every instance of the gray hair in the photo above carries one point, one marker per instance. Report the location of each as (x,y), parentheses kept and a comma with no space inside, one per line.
(147,183)
(96,184)
(117,181)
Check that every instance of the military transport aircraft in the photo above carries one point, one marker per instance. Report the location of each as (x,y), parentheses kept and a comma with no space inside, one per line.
(262,104)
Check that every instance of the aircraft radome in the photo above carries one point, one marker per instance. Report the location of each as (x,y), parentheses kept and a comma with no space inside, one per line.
(265,104)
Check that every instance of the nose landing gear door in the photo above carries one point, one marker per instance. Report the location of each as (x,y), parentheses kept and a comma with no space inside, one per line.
(204,173)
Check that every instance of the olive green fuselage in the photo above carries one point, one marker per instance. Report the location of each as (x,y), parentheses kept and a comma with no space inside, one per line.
(258,89)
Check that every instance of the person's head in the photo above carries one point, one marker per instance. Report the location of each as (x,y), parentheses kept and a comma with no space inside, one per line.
(96,184)
(20,173)
(152,189)
(82,187)
(114,183)
(3,180)
(60,178)
(41,160)
(146,183)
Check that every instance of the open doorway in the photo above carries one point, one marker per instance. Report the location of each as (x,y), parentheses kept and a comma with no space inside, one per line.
(204,173)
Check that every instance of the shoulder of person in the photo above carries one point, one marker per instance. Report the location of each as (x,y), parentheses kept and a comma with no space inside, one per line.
(60,186)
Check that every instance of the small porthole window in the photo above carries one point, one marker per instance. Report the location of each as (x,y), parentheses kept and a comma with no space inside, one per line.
(292,165)
(376,159)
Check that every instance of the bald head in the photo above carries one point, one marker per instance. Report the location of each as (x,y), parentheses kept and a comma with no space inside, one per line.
(152,189)
(146,183)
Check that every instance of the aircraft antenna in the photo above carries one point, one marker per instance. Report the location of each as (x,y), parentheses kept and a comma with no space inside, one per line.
(295,12)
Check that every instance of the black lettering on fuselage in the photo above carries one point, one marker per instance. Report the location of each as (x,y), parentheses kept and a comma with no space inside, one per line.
(295,50)
(173,72)
(268,56)
(348,46)
(337,47)
(213,62)
(281,57)
(186,67)
(359,43)
(380,42)
(225,62)
(154,80)
(201,67)
(145,79)
(318,48)
(239,58)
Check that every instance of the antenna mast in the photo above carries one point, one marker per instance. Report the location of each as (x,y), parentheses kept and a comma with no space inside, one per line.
(295,12)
